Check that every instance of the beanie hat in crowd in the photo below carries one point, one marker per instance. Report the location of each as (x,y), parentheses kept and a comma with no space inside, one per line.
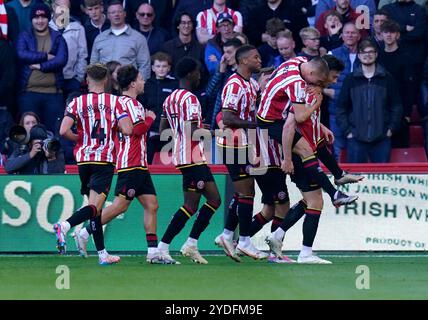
(40,9)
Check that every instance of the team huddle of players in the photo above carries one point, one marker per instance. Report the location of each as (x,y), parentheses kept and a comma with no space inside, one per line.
(268,128)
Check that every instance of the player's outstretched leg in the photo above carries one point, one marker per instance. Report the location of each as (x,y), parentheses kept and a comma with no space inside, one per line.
(245,213)
(225,239)
(104,258)
(177,224)
(310,227)
(61,228)
(190,247)
(327,157)
(275,239)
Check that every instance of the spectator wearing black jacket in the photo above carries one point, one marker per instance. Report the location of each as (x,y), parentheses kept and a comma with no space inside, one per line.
(369,108)
(163,9)
(96,23)
(156,89)
(413,22)
(398,64)
(155,36)
(293,18)
(185,44)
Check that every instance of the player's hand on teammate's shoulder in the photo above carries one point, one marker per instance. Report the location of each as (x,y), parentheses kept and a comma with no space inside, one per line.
(313,90)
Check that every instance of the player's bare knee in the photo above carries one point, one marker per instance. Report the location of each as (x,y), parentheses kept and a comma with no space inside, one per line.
(151,206)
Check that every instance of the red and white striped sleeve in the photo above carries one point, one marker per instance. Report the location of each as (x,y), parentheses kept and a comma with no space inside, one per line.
(120,110)
(232,94)
(71,109)
(296,91)
(191,109)
(201,20)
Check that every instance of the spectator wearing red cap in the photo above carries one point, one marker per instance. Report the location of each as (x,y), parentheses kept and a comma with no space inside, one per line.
(207,21)
(214,48)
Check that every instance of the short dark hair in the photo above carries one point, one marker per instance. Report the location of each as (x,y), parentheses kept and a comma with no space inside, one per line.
(177,20)
(390,26)
(161,56)
(97,71)
(125,75)
(366,43)
(185,66)
(114,2)
(334,63)
(274,25)
(242,51)
(381,12)
(93,3)
(234,42)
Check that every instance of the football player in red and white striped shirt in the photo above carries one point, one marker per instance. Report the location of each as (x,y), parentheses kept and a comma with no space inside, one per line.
(133,180)
(271,182)
(239,98)
(206,20)
(182,114)
(98,116)
(302,131)
(287,89)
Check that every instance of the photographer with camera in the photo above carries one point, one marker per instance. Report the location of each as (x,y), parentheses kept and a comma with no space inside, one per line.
(33,149)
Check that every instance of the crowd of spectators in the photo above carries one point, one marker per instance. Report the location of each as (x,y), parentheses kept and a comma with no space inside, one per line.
(45,47)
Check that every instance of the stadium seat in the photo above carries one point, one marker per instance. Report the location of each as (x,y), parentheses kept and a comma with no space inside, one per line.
(157,159)
(408,155)
(342,156)
(415,117)
(417,138)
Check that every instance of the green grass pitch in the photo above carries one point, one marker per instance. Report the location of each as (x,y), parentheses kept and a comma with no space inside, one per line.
(391,277)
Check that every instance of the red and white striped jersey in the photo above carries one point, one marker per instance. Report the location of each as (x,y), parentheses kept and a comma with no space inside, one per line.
(268,151)
(96,115)
(3,21)
(132,150)
(311,127)
(285,87)
(181,108)
(240,97)
(207,19)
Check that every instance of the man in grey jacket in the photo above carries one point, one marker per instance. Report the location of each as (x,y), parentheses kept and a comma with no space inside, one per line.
(74,35)
(121,43)
(369,108)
